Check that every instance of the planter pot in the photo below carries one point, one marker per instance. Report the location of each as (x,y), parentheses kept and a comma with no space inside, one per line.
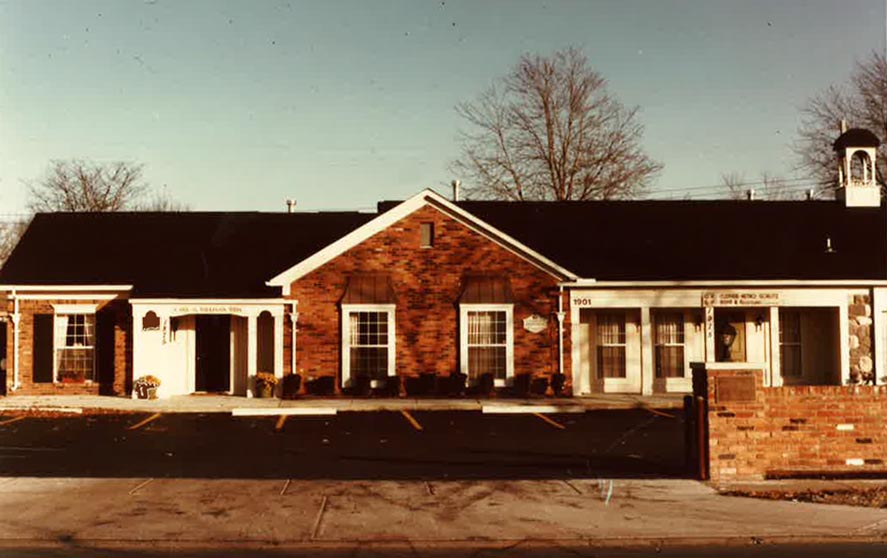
(538,386)
(264,389)
(557,384)
(145,392)
(521,386)
(292,383)
(325,385)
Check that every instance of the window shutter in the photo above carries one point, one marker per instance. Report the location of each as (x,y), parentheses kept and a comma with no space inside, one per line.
(43,348)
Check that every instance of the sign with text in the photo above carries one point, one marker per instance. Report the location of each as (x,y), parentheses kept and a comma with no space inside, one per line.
(535,323)
(739,299)
(208,309)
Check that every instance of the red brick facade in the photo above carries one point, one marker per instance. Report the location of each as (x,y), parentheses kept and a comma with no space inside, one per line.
(798,430)
(427,283)
(122,382)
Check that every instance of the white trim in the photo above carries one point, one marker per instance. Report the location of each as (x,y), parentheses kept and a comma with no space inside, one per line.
(426,197)
(727,283)
(75,308)
(508,308)
(242,301)
(67,296)
(101,288)
(345,343)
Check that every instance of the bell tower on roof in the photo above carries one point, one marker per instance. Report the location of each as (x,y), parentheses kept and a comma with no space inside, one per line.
(857,149)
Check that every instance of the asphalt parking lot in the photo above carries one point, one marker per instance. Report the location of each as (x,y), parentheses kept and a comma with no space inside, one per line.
(633,443)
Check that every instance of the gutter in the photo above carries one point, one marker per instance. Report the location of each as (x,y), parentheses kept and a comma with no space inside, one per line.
(16,317)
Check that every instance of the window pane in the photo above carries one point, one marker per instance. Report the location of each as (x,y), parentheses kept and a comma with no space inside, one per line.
(611,362)
(483,360)
(369,361)
(487,343)
(790,342)
(669,340)
(368,342)
(611,329)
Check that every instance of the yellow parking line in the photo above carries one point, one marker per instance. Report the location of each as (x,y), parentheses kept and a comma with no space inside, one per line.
(660,413)
(549,421)
(153,417)
(411,420)
(279,426)
(10,421)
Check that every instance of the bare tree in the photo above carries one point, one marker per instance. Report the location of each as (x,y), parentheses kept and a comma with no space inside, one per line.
(162,202)
(550,130)
(862,102)
(769,187)
(77,185)
(10,232)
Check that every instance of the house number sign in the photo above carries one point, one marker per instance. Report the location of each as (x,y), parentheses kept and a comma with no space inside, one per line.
(535,323)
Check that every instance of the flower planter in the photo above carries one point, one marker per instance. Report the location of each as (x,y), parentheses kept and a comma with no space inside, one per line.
(145,392)
(264,390)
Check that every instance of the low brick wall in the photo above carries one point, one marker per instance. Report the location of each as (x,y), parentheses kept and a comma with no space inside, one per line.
(792,431)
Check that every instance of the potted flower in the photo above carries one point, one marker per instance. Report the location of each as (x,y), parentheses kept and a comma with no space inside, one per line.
(265,384)
(146,386)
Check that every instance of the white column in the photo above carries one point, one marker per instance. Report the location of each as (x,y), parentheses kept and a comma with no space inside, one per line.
(251,352)
(647,366)
(16,320)
(844,342)
(710,355)
(278,348)
(878,323)
(576,379)
(775,352)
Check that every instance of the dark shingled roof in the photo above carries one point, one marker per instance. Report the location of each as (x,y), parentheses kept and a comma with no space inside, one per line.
(856,137)
(698,240)
(194,254)
(188,254)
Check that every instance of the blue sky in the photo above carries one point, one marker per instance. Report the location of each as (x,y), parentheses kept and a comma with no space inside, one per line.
(239,105)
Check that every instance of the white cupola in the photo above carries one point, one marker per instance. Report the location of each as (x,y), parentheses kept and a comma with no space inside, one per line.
(857,149)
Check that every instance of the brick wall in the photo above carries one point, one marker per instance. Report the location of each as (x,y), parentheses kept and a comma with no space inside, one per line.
(122,383)
(427,283)
(796,430)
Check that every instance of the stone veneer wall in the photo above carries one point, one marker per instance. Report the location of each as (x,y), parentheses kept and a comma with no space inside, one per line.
(859,315)
(796,430)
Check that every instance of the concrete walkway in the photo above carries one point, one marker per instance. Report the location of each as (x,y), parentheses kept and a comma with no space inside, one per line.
(94,516)
(227,403)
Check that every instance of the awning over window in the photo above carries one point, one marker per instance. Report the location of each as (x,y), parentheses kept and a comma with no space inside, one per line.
(486,290)
(369,289)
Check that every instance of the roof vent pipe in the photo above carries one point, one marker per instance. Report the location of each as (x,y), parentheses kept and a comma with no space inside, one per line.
(843,125)
(810,194)
(751,194)
(456,185)
(290,205)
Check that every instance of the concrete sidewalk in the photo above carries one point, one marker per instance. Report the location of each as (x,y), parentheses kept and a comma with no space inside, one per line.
(100,515)
(227,403)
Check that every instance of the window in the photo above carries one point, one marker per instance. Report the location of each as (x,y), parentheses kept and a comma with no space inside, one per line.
(368,347)
(611,345)
(669,340)
(426,235)
(790,343)
(487,341)
(74,347)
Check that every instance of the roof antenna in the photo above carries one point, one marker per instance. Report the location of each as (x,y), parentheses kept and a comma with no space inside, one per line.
(290,205)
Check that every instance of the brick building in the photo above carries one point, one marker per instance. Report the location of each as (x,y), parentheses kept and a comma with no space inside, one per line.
(617,296)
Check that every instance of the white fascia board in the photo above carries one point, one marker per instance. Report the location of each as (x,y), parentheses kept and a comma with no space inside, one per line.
(395,214)
(66,288)
(592,283)
(243,301)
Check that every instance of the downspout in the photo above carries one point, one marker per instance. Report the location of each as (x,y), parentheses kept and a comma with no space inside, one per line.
(15,343)
(560,329)
(294,321)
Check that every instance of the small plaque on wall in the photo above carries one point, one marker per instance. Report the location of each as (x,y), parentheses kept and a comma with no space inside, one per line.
(535,323)
(735,389)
